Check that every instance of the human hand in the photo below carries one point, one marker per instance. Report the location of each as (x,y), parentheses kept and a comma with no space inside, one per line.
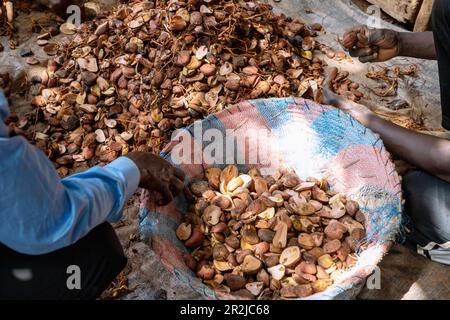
(372,45)
(158,175)
(356,110)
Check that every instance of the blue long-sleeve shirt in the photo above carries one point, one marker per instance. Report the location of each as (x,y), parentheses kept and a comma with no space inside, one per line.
(39,211)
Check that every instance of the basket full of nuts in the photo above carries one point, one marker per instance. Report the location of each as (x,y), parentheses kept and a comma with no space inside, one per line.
(291,199)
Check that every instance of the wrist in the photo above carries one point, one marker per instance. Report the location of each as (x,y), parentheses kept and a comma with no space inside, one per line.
(403,44)
(128,172)
(367,118)
(363,115)
(134,158)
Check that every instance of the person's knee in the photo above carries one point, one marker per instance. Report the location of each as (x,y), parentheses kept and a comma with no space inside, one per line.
(418,188)
(118,259)
(105,248)
(428,206)
(112,249)
(413,183)
(107,261)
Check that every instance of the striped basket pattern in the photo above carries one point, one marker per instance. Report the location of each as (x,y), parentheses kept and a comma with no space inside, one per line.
(317,141)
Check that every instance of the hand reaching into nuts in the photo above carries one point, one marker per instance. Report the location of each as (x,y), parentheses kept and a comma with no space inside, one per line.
(372,45)
(158,175)
(356,110)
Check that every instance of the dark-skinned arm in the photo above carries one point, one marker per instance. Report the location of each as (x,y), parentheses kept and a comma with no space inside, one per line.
(417,45)
(429,153)
(377,45)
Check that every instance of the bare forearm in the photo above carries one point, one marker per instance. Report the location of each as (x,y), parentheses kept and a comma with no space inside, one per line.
(427,152)
(417,45)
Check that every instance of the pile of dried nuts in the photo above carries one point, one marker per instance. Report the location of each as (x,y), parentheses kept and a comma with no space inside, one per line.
(269,237)
(125,82)
(343,86)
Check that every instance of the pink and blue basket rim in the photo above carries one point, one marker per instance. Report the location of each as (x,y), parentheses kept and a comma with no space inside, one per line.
(316,140)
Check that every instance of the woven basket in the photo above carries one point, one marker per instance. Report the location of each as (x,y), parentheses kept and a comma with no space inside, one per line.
(316,141)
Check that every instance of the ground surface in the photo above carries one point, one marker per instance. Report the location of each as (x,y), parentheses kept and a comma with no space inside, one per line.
(404,274)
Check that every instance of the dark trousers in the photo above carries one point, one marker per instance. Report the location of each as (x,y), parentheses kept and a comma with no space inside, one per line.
(98,257)
(441,30)
(427,203)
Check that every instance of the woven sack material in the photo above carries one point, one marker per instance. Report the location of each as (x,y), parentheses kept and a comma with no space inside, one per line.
(315,140)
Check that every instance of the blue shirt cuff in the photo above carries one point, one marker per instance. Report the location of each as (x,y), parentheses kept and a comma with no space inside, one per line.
(128,172)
